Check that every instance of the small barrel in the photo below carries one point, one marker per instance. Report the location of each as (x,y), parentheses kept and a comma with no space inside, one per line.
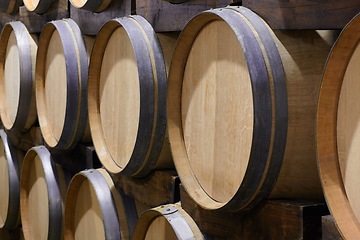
(17,77)
(168,222)
(61,85)
(127,98)
(96,210)
(38,6)
(337,131)
(9,6)
(91,5)
(241,109)
(10,160)
(43,186)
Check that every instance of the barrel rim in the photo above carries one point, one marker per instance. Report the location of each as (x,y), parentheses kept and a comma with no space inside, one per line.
(262,127)
(169,212)
(105,200)
(91,5)
(326,136)
(14,183)
(41,7)
(280,102)
(151,123)
(26,76)
(53,190)
(76,112)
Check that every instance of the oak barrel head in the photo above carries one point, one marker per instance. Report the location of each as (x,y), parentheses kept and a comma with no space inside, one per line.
(166,222)
(91,5)
(96,210)
(337,130)
(127,96)
(9,184)
(61,84)
(17,77)
(43,187)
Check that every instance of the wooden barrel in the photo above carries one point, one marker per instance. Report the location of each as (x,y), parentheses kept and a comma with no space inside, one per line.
(337,135)
(17,77)
(241,109)
(37,6)
(43,186)
(167,222)
(91,5)
(127,98)
(96,210)
(61,84)
(10,160)
(9,6)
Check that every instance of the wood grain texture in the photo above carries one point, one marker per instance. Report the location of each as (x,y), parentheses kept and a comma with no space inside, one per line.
(303,54)
(285,72)
(158,188)
(127,97)
(42,193)
(167,17)
(4,186)
(326,130)
(329,229)
(36,22)
(119,97)
(27,140)
(38,6)
(160,229)
(87,217)
(283,14)
(38,199)
(11,163)
(55,85)
(17,58)
(215,83)
(12,77)
(92,201)
(61,84)
(91,5)
(348,131)
(9,6)
(91,22)
(166,222)
(271,220)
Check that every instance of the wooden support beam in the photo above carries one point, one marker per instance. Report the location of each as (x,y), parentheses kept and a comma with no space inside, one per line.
(158,188)
(304,14)
(80,158)
(16,234)
(329,229)
(167,17)
(26,140)
(36,22)
(91,22)
(273,219)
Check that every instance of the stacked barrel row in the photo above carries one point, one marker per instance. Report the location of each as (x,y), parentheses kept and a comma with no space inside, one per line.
(238,106)
(42,6)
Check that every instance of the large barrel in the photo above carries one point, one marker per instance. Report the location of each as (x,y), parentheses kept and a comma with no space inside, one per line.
(91,5)
(96,210)
(168,222)
(61,84)
(337,131)
(127,98)
(10,160)
(17,77)
(38,6)
(9,6)
(43,186)
(241,109)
